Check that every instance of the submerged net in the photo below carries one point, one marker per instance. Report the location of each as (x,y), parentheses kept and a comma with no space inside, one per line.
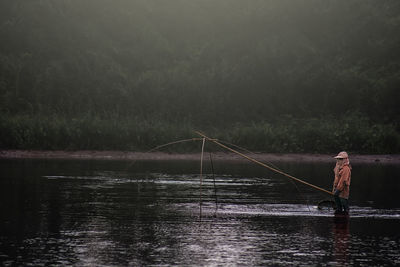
(326,204)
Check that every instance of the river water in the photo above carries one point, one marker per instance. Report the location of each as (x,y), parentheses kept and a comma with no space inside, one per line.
(155,213)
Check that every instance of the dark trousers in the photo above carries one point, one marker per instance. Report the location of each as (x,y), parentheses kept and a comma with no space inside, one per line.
(342,204)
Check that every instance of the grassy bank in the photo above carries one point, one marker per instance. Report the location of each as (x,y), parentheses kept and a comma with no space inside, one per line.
(355,134)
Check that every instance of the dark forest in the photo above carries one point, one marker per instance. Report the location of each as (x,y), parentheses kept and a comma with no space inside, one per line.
(272,76)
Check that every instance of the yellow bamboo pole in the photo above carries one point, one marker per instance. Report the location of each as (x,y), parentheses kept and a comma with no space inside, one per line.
(263,164)
(201,171)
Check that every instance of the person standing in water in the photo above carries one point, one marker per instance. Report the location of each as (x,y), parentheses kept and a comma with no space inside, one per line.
(341,184)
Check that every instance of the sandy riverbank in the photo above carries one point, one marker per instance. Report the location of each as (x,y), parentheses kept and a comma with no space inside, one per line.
(122,155)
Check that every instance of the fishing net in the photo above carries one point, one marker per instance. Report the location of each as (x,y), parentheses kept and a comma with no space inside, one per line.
(326,204)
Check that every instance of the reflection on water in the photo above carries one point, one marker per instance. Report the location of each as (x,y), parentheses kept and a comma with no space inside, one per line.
(341,231)
(94,213)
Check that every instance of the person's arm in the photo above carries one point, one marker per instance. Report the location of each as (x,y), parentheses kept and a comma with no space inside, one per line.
(335,182)
(344,179)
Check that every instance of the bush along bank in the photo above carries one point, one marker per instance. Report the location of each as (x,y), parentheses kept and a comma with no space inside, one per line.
(286,135)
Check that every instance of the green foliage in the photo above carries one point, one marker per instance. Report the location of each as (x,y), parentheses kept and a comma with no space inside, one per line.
(272,72)
(353,133)
(257,59)
(40,132)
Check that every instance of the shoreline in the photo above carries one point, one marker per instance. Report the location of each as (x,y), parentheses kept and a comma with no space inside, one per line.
(220,156)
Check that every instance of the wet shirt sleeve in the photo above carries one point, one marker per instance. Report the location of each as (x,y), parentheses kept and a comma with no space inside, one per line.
(344,179)
(335,182)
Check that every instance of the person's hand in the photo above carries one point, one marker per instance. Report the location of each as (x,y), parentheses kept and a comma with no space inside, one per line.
(337,192)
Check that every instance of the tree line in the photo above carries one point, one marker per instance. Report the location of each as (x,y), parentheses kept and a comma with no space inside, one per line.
(214,64)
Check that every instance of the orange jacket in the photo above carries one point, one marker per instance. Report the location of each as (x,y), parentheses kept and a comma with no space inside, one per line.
(342,181)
